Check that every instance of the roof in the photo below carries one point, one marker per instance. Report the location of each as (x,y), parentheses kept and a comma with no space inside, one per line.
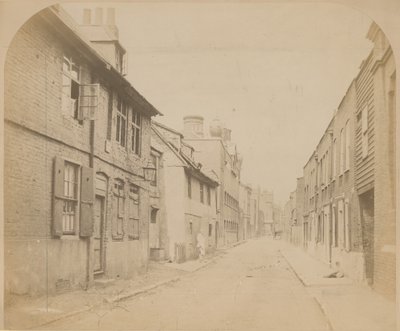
(167,128)
(189,164)
(63,24)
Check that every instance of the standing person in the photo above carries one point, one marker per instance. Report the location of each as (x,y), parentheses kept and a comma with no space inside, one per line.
(201,245)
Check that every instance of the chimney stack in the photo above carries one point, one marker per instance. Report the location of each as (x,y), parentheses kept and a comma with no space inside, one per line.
(193,126)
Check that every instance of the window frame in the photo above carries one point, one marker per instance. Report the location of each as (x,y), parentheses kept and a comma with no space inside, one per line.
(201,192)
(136,131)
(74,111)
(75,199)
(347,146)
(134,198)
(121,122)
(119,205)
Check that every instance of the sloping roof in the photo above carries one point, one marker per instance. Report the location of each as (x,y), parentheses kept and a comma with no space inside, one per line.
(63,24)
(189,164)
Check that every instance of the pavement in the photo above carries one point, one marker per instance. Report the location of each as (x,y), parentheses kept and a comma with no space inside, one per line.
(348,305)
(262,284)
(23,312)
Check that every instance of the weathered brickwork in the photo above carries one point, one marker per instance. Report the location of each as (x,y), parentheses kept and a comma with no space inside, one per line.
(37,131)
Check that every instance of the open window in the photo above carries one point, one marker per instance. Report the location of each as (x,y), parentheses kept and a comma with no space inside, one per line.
(80,101)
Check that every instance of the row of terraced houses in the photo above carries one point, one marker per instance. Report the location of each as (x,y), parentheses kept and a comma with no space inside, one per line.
(343,208)
(95,187)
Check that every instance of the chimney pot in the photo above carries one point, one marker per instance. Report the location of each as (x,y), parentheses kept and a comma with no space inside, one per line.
(87,16)
(99,16)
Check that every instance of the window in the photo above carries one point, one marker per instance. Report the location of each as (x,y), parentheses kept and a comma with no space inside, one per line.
(73,193)
(334,227)
(190,227)
(133,221)
(70,198)
(208,195)
(119,206)
(189,186)
(70,88)
(210,230)
(342,152)
(346,231)
(347,147)
(340,224)
(154,160)
(201,193)
(136,132)
(334,151)
(120,132)
(364,131)
(153,217)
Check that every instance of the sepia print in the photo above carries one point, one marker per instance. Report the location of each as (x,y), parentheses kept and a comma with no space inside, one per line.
(218,165)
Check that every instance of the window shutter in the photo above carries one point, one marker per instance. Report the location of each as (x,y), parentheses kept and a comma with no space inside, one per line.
(58,192)
(87,195)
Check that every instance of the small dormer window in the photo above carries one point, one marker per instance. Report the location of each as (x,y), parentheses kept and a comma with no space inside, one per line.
(120,61)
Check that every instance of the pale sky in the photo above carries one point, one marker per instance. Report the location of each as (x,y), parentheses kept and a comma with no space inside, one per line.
(274,73)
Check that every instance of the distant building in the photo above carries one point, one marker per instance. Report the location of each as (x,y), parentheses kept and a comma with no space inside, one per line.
(266,204)
(218,153)
(190,196)
(77,150)
(246,229)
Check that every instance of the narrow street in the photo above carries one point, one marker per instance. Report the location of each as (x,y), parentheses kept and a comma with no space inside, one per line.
(249,287)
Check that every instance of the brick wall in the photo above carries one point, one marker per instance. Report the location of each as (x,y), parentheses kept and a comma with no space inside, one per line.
(36,131)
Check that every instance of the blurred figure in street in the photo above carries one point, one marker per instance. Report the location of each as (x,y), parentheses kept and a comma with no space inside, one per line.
(201,245)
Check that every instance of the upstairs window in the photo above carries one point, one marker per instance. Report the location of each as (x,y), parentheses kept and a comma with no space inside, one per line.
(334,151)
(364,131)
(347,146)
(70,88)
(154,160)
(342,152)
(136,139)
(201,193)
(208,195)
(120,132)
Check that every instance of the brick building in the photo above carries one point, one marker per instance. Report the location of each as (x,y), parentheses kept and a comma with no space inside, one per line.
(218,153)
(77,146)
(349,180)
(190,196)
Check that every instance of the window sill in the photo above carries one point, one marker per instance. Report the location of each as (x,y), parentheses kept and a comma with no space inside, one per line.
(120,238)
(70,237)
